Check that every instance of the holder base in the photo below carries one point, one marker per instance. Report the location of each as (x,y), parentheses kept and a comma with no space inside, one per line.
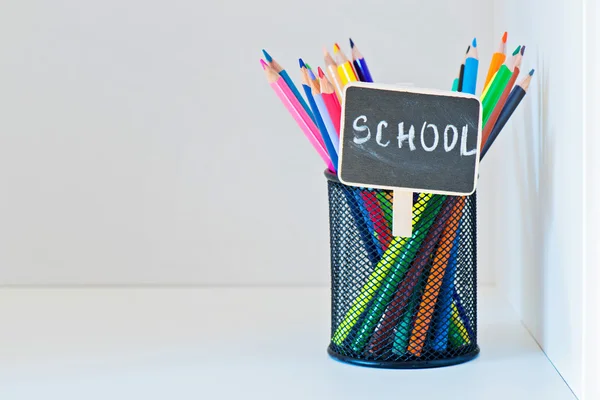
(414,364)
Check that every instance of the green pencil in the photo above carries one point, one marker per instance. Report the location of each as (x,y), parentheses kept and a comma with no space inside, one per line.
(455,85)
(494,92)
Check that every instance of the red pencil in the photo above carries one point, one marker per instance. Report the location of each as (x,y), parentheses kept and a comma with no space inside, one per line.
(295,108)
(331,101)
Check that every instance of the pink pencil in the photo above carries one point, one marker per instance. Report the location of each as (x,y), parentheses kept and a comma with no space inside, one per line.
(331,100)
(293,105)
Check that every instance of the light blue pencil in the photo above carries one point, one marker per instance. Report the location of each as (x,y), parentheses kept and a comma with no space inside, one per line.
(471,68)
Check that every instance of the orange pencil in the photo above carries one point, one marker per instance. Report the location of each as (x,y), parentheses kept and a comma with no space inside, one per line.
(345,69)
(295,108)
(333,75)
(487,129)
(497,60)
(434,282)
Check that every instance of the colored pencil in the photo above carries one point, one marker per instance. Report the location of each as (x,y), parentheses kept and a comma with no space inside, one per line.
(377,277)
(434,282)
(455,85)
(290,101)
(471,69)
(312,76)
(385,202)
(331,101)
(498,59)
(344,66)
(507,61)
(367,201)
(286,77)
(319,119)
(360,64)
(396,308)
(333,75)
(515,97)
(461,73)
(363,225)
(323,111)
(487,129)
(381,230)
(442,324)
(497,87)
(463,315)
(398,272)
(457,334)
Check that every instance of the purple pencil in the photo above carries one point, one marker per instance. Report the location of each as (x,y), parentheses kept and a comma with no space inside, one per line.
(360,65)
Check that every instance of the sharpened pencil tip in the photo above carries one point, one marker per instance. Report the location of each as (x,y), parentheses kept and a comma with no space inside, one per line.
(308,67)
(320,71)
(517,50)
(504,37)
(351,43)
(474,44)
(301,63)
(523,50)
(311,75)
(531,72)
(336,48)
(325,52)
(267,55)
(263,64)
(468,48)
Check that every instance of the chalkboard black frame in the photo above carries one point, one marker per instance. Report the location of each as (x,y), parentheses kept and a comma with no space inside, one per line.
(378,97)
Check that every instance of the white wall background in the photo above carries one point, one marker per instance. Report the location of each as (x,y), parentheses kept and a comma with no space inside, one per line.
(140,142)
(537,217)
(591,298)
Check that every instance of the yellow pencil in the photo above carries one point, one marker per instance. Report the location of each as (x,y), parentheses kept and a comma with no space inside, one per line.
(345,68)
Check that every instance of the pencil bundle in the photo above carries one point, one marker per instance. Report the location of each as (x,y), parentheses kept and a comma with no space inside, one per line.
(408,302)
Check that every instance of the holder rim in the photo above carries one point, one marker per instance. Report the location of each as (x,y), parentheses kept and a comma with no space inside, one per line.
(331,176)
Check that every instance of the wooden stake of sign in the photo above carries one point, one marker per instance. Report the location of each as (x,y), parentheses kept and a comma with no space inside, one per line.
(402,213)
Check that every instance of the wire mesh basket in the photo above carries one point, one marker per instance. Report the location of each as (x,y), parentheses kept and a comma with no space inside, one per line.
(402,302)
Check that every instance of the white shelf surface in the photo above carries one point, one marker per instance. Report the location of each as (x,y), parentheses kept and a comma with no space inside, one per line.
(233,343)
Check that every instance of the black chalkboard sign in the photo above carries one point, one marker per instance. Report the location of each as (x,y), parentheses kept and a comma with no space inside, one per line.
(413,139)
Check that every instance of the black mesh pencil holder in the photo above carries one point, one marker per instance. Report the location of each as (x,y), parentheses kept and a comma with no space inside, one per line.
(402,302)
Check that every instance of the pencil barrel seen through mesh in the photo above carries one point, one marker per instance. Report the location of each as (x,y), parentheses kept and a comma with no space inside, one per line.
(402,302)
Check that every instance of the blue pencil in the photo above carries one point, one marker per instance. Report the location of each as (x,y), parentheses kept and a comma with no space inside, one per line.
(471,68)
(463,315)
(442,323)
(283,73)
(356,208)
